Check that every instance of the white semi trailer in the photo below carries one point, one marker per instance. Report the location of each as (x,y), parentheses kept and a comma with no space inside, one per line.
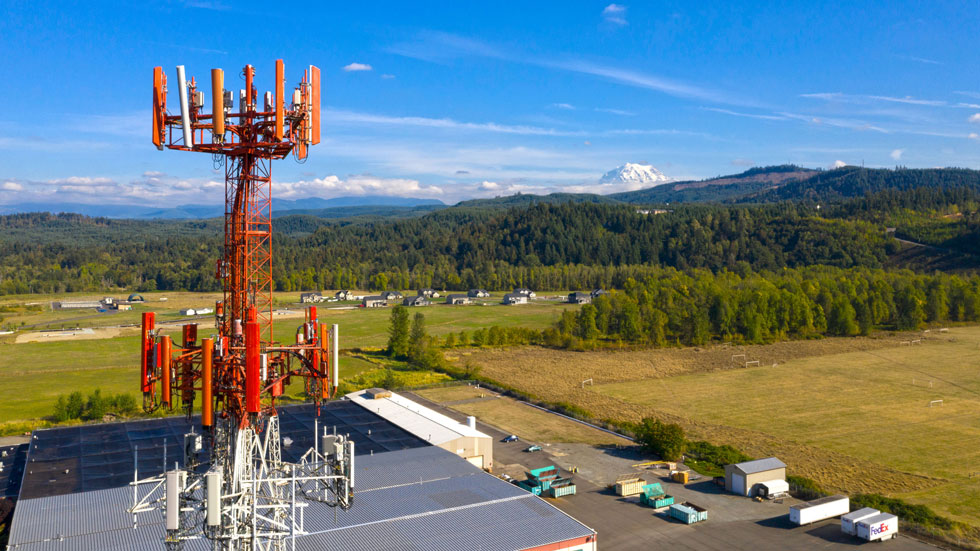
(819,509)
(848,522)
(878,527)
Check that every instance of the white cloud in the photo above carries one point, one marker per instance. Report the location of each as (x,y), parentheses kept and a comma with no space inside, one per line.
(565,106)
(974,118)
(974,136)
(897,154)
(488,186)
(620,112)
(386,76)
(361,184)
(368,118)
(11,186)
(357,67)
(748,115)
(743,162)
(838,164)
(862,98)
(615,14)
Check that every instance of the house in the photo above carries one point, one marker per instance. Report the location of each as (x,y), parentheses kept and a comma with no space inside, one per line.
(391,295)
(511,298)
(580,297)
(311,297)
(416,301)
(747,478)
(458,298)
(428,293)
(344,295)
(478,293)
(188,312)
(596,293)
(524,291)
(374,301)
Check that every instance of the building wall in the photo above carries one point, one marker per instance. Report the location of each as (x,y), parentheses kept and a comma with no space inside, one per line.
(587,543)
(751,479)
(765,476)
(471,446)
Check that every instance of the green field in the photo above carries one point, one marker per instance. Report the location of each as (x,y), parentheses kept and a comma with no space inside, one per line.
(871,405)
(34,374)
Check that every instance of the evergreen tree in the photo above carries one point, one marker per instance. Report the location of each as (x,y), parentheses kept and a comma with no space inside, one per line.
(398,332)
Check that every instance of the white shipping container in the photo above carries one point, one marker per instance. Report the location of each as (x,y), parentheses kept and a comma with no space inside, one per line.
(819,509)
(848,522)
(878,527)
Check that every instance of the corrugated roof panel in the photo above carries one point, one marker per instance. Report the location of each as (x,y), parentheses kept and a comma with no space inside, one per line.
(423,498)
(759,465)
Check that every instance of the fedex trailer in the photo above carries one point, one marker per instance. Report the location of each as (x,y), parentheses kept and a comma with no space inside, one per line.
(819,509)
(848,522)
(878,527)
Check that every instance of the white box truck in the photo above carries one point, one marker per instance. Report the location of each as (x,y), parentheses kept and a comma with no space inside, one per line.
(878,527)
(819,509)
(848,522)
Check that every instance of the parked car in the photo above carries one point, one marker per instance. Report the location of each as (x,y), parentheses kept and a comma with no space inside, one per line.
(506,478)
(511,438)
(534,448)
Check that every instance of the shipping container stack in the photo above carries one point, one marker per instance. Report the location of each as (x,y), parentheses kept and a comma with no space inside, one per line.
(545,481)
(654,496)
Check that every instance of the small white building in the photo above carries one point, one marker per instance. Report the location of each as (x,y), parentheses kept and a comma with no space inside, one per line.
(511,298)
(747,478)
(433,427)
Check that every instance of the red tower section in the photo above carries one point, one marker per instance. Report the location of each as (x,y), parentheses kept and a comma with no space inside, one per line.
(242,370)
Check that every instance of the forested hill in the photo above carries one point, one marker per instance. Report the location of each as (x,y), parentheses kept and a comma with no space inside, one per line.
(548,246)
(855,181)
(545,246)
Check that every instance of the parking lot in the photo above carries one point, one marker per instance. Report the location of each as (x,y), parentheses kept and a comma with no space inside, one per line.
(734,522)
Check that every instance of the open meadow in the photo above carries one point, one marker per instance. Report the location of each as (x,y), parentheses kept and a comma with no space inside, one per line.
(854,414)
(34,371)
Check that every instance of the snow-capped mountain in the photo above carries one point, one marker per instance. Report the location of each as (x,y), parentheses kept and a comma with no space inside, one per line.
(634,176)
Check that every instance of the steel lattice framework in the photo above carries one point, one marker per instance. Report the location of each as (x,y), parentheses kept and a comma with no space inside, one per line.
(240,372)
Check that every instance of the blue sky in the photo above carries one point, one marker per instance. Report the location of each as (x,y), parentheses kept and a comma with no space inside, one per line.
(457,99)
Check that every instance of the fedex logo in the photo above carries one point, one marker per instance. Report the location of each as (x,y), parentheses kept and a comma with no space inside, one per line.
(880,529)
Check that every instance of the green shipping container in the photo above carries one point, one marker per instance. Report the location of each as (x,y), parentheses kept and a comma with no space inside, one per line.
(688,513)
(533,488)
(663,501)
(562,491)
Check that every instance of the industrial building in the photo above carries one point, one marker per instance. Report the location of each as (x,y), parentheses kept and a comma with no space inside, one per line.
(431,426)
(409,495)
(749,477)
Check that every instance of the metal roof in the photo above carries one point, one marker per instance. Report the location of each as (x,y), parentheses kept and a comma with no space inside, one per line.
(413,499)
(429,425)
(760,465)
(84,458)
(12,460)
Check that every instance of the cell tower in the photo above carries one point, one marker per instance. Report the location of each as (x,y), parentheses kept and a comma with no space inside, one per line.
(245,496)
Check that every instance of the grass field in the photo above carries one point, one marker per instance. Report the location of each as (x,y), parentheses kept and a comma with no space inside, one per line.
(34,374)
(869,404)
(851,413)
(517,418)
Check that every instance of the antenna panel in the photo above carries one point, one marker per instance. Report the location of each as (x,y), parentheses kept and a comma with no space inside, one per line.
(159,107)
(315,100)
(280,97)
(218,103)
(185,114)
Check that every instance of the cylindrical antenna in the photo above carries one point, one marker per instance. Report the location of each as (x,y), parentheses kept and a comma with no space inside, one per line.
(218,103)
(185,114)
(335,340)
